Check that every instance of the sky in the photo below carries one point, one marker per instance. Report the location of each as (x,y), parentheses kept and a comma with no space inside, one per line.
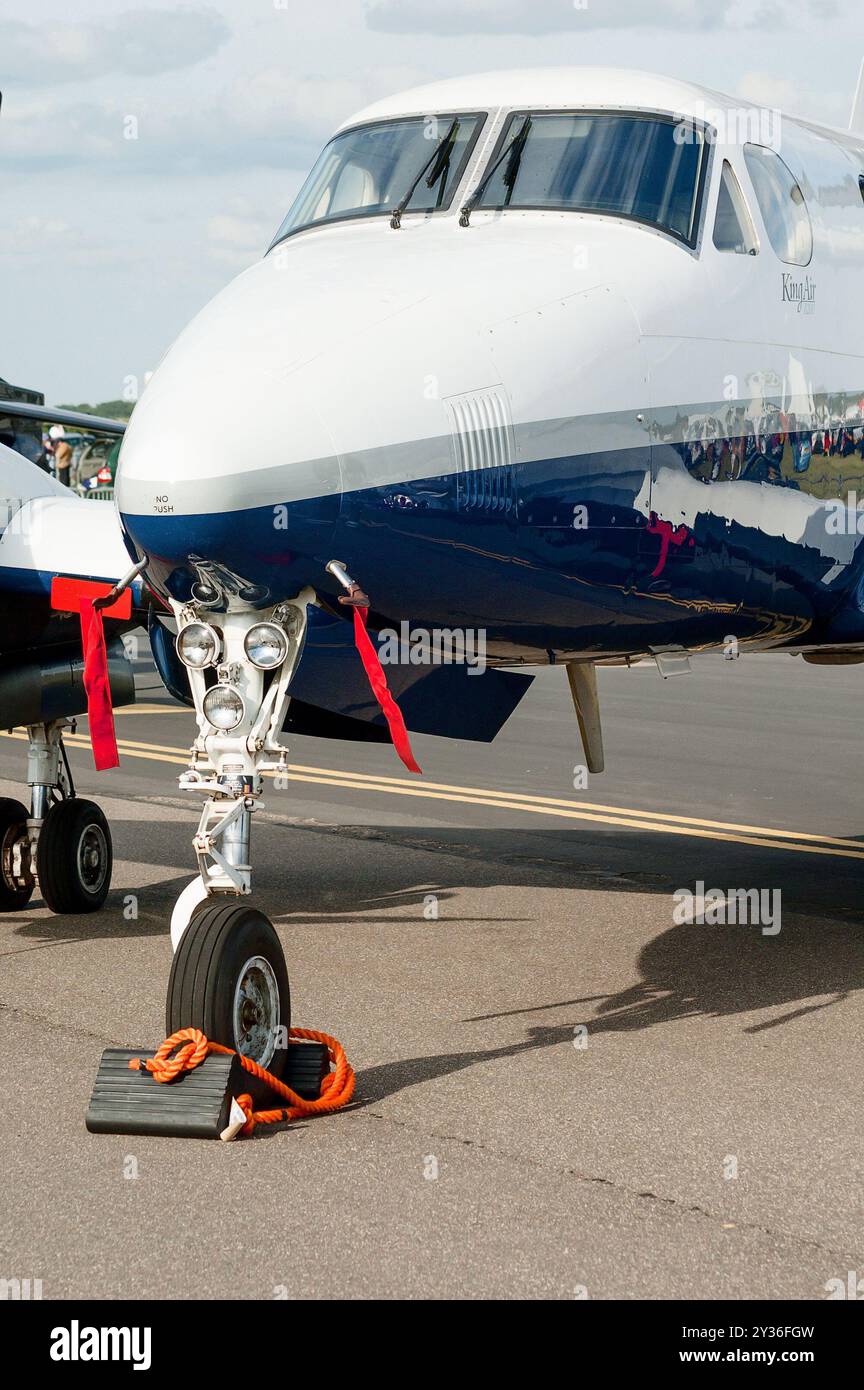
(148,152)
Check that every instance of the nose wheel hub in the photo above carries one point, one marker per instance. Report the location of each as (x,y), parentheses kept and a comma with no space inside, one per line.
(256,1010)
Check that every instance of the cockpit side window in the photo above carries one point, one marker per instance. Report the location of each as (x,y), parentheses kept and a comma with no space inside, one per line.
(368,170)
(781,203)
(733,225)
(649,168)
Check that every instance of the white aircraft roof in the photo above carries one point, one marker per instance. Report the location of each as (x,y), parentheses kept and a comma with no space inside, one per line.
(534,88)
(552,87)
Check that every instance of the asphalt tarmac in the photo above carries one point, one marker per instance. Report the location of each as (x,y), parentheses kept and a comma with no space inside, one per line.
(563,1092)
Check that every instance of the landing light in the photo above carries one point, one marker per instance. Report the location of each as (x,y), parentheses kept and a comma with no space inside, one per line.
(198,645)
(223,707)
(266,646)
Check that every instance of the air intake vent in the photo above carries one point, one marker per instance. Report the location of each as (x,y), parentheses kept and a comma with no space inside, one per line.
(483,436)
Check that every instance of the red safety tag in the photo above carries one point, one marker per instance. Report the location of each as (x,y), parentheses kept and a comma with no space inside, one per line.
(377,680)
(68,595)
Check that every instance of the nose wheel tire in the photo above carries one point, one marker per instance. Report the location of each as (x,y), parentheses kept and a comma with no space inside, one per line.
(16,884)
(229,978)
(74,857)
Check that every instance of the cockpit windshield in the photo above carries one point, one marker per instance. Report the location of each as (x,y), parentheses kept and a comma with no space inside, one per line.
(648,168)
(366,172)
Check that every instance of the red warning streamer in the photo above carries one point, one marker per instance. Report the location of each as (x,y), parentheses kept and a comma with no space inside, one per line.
(100,713)
(73,595)
(377,680)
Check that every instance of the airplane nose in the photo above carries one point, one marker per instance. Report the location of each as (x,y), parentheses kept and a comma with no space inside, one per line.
(228,477)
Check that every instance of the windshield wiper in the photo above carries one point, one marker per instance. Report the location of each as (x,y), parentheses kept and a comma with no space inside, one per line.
(514,150)
(437,163)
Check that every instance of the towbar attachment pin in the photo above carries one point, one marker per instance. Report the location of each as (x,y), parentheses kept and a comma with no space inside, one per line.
(354,595)
(120,586)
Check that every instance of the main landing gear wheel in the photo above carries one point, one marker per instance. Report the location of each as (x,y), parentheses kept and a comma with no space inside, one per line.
(74,857)
(229,978)
(16,878)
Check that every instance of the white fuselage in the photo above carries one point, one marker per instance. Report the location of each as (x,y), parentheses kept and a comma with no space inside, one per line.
(354,357)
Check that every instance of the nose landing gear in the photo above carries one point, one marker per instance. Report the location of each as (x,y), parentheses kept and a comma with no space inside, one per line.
(64,842)
(228,976)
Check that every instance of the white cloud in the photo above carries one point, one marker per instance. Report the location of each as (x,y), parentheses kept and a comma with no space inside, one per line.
(572,16)
(34,234)
(536,17)
(276,121)
(237,238)
(768,89)
(136,42)
(820,104)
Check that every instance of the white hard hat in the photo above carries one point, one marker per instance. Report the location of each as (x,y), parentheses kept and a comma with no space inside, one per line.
(57,432)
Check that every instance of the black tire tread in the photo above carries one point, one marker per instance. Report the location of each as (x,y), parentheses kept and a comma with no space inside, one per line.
(193,984)
(56,871)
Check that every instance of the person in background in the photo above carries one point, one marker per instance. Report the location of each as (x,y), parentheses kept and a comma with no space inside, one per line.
(62,454)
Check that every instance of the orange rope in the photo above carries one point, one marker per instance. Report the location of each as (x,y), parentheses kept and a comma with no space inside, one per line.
(336,1089)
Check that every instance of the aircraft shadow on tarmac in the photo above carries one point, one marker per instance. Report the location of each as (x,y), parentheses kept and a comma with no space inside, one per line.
(688,971)
(815,961)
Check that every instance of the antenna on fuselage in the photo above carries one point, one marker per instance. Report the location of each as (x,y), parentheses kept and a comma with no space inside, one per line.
(856,120)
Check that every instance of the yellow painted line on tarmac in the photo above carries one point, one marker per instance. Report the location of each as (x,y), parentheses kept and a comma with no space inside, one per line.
(151,709)
(600,808)
(626,817)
